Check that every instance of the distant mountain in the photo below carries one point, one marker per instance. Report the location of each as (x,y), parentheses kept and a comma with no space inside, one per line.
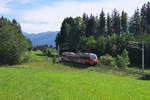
(42,38)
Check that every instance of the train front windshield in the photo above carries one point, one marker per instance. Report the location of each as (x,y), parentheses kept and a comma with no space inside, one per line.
(94,57)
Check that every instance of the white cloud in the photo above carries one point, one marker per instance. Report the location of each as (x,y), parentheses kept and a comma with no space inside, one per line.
(4,9)
(38,28)
(54,15)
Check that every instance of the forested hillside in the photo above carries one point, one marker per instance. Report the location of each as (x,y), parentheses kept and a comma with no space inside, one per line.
(107,33)
(45,38)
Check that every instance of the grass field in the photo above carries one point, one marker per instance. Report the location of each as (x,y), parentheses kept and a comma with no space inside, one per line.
(42,80)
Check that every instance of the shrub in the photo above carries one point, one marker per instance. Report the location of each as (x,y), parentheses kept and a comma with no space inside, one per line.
(47,52)
(107,60)
(26,57)
(123,60)
(120,62)
(126,57)
(54,60)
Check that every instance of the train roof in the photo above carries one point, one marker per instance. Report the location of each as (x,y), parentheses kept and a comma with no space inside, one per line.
(77,54)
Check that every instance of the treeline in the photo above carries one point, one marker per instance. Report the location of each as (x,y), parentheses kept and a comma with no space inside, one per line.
(46,50)
(42,47)
(14,46)
(107,34)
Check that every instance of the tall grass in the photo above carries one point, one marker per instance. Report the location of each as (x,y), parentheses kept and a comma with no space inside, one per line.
(42,80)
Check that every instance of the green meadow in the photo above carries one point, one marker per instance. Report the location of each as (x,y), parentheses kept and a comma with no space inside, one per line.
(40,79)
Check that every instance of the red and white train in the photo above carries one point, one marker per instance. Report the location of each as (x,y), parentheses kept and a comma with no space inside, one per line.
(84,58)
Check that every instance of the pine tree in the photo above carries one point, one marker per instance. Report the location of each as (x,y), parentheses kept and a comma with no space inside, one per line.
(143,18)
(91,26)
(109,25)
(101,26)
(135,23)
(84,23)
(116,22)
(148,17)
(124,18)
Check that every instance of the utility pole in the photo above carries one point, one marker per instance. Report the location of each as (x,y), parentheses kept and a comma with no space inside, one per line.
(135,45)
(143,59)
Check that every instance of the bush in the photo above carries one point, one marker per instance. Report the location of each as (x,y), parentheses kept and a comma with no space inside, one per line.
(25,57)
(108,60)
(47,52)
(126,57)
(123,60)
(120,62)
(54,60)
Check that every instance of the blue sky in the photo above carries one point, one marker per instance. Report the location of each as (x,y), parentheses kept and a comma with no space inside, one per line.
(37,16)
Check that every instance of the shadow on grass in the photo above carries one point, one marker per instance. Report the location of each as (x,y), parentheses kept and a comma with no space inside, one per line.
(76,65)
(45,55)
(39,54)
(6,65)
(145,77)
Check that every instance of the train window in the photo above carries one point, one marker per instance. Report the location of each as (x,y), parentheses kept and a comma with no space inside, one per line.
(93,57)
(85,58)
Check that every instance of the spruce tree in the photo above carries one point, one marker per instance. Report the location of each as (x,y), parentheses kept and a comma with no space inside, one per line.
(148,17)
(91,26)
(124,20)
(84,23)
(143,18)
(101,26)
(109,25)
(135,23)
(116,22)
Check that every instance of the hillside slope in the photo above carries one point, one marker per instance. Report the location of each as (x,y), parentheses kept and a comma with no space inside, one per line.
(42,38)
